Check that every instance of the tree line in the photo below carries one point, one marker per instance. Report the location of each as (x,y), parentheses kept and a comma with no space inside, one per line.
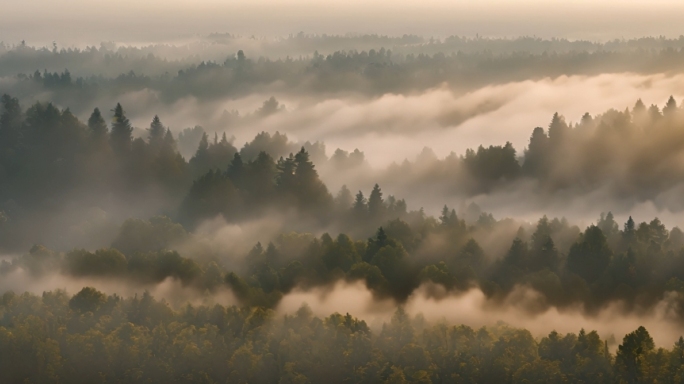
(371,72)
(638,265)
(94,337)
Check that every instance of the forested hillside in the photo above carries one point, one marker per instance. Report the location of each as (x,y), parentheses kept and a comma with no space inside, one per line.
(343,208)
(92,337)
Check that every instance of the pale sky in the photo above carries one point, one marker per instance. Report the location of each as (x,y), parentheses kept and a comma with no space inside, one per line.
(138,21)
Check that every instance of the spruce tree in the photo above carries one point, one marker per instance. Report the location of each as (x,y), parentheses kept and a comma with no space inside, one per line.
(376,205)
(121,135)
(97,125)
(670,108)
(360,206)
(156,133)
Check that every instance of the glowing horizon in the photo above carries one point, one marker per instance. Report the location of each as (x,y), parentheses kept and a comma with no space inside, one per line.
(76,21)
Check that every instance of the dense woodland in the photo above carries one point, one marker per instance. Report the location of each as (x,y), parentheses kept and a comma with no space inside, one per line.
(91,337)
(98,201)
(320,65)
(50,159)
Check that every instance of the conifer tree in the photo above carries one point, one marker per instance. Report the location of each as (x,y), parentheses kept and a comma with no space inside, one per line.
(558,130)
(670,108)
(121,135)
(97,125)
(360,206)
(10,122)
(444,217)
(376,205)
(156,133)
(344,199)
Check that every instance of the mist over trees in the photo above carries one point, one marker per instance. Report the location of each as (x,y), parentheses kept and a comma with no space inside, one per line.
(180,244)
(91,336)
(220,67)
(51,159)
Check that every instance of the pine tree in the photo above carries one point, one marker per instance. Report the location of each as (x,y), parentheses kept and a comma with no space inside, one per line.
(670,108)
(376,206)
(639,108)
(10,123)
(286,171)
(156,133)
(629,233)
(97,125)
(311,191)
(344,199)
(305,171)
(360,206)
(121,135)
(558,129)
(203,147)
(169,142)
(537,152)
(236,170)
(444,217)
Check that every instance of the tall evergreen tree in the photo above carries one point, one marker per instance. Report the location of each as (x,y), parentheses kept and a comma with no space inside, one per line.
(444,217)
(169,142)
(670,108)
(121,135)
(360,207)
(376,206)
(344,199)
(629,233)
(536,155)
(236,170)
(312,192)
(156,133)
(631,362)
(558,130)
(286,175)
(590,257)
(97,125)
(10,123)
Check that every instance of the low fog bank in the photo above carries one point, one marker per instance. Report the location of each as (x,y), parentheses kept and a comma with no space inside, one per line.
(522,309)
(172,290)
(411,145)
(395,126)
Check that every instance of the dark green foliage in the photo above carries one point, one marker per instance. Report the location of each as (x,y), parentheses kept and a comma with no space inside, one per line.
(121,134)
(590,257)
(493,164)
(104,262)
(340,254)
(157,266)
(87,300)
(210,195)
(376,205)
(537,154)
(156,133)
(97,125)
(631,360)
(90,335)
(158,233)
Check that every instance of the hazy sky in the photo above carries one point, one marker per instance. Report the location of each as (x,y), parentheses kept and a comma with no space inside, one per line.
(92,21)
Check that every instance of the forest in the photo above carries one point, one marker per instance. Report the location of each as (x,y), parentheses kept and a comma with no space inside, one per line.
(50,159)
(91,337)
(356,208)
